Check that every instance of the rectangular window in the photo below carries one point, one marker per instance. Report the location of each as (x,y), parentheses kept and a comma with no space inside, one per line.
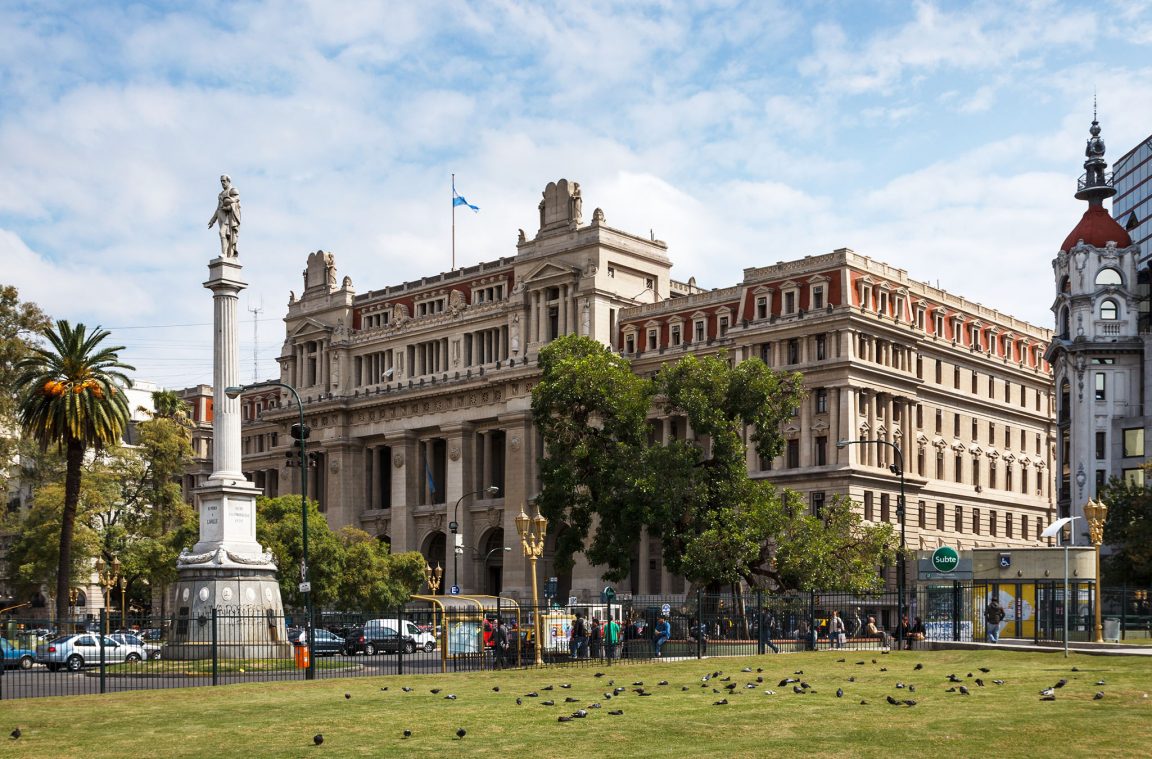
(821,347)
(1101,446)
(766,353)
(868,505)
(939,421)
(818,504)
(884,511)
(793,351)
(939,465)
(956,377)
(940,516)
(630,344)
(1007,391)
(1134,477)
(817,298)
(653,340)
(956,425)
(699,337)
(793,454)
(939,371)
(923,521)
(975,431)
(1101,386)
(958,467)
(976,521)
(958,518)
(1133,442)
(723,326)
(821,451)
(789,303)
(1100,479)
(975,381)
(993,527)
(820,396)
(762,307)
(676,334)
(1009,526)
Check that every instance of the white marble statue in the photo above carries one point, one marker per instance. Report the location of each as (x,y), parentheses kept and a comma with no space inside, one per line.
(226,218)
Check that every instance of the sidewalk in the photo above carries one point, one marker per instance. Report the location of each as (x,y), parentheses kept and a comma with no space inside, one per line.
(1022,644)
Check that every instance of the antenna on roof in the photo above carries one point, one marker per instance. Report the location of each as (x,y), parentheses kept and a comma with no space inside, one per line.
(255,335)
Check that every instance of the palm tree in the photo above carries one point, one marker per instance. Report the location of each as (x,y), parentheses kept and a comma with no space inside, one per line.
(72,395)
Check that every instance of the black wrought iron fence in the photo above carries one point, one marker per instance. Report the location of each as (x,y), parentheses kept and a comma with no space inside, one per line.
(95,655)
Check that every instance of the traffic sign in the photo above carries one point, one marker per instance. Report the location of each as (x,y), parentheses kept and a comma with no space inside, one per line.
(454,590)
(305,587)
(666,609)
(945,559)
(1005,561)
(608,595)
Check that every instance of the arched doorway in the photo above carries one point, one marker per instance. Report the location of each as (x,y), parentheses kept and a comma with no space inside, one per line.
(434,551)
(491,577)
(548,566)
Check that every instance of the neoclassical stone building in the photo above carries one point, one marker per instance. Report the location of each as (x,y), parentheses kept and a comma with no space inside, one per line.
(418,394)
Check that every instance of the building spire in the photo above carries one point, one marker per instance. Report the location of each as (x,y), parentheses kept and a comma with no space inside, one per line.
(1096,183)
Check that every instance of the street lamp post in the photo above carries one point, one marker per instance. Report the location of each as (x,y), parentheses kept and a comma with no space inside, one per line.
(1057,528)
(300,433)
(454,528)
(124,602)
(433,577)
(1096,512)
(109,575)
(532,531)
(901,509)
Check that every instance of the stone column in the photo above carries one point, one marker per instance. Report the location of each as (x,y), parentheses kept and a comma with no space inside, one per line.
(519,469)
(459,483)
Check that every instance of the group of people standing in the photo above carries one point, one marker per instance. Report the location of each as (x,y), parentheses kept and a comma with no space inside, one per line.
(594,639)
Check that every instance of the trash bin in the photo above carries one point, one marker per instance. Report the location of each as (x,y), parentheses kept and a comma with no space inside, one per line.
(301,652)
(1112,629)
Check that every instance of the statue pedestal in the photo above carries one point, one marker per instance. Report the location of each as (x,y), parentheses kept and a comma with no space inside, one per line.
(229,573)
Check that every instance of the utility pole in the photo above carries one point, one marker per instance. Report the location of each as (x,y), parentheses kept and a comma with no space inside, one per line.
(255,342)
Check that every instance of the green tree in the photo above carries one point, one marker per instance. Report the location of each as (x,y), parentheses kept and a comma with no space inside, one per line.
(19,324)
(72,396)
(606,477)
(279,528)
(373,578)
(1128,533)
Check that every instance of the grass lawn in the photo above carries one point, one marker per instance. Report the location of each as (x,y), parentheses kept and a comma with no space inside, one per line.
(679,719)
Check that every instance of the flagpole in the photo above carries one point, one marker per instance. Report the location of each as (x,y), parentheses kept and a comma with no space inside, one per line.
(453,222)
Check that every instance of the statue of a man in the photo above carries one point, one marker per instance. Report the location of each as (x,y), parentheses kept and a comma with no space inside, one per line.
(227,217)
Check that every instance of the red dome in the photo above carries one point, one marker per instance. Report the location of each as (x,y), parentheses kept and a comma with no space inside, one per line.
(1097,228)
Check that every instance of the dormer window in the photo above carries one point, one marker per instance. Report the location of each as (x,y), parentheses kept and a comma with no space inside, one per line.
(699,331)
(817,297)
(674,332)
(789,302)
(762,307)
(430,307)
(722,326)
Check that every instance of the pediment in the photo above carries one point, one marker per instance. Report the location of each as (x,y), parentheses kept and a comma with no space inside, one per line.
(550,270)
(310,327)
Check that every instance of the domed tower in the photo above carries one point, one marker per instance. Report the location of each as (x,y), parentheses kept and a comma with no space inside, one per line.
(1097,353)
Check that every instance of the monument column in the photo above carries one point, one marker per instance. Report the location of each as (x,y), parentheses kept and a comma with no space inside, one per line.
(227,575)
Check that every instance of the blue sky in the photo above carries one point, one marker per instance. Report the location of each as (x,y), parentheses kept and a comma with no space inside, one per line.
(944,138)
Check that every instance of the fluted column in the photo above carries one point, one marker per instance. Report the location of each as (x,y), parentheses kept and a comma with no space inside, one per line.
(225,284)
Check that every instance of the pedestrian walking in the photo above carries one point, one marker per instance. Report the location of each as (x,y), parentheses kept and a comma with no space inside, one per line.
(993,616)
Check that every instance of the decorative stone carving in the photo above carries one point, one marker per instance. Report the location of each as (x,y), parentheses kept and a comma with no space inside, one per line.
(454,452)
(597,217)
(514,335)
(398,459)
(514,442)
(521,238)
(456,302)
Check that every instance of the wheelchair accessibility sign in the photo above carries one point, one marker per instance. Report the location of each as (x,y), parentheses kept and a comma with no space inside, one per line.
(1005,560)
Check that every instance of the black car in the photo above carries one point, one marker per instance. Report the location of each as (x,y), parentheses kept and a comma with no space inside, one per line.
(376,640)
(324,643)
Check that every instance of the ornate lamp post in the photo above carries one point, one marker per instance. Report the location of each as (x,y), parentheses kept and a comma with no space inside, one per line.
(454,528)
(901,508)
(109,577)
(299,433)
(1096,512)
(124,602)
(433,577)
(532,531)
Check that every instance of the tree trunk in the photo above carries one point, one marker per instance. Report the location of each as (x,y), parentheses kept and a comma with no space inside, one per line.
(75,462)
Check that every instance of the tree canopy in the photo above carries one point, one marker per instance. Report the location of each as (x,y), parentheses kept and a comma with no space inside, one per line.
(607,475)
(72,397)
(1127,533)
(348,569)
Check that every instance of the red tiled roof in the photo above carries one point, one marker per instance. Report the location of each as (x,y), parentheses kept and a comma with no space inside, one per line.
(1097,228)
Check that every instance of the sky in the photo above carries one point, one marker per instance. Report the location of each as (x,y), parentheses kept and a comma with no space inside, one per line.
(944,138)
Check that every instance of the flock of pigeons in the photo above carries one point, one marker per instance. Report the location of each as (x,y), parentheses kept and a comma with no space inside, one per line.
(724,686)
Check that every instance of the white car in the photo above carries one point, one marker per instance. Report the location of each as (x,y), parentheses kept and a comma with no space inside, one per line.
(425,640)
(132,639)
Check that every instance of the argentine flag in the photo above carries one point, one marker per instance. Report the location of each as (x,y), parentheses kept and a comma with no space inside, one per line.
(458,200)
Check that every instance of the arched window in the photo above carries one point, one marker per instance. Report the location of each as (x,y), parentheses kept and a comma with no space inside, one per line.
(1065,284)
(1063,323)
(1109,277)
(1109,310)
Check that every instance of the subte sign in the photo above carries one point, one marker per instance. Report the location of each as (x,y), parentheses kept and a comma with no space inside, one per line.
(945,559)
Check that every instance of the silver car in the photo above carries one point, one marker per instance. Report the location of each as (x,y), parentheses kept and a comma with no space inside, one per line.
(79,649)
(151,650)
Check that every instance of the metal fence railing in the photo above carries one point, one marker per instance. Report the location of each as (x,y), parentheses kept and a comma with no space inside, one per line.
(100,654)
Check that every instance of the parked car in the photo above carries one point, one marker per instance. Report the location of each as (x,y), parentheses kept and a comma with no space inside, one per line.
(374,640)
(152,650)
(423,639)
(324,643)
(79,649)
(16,657)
